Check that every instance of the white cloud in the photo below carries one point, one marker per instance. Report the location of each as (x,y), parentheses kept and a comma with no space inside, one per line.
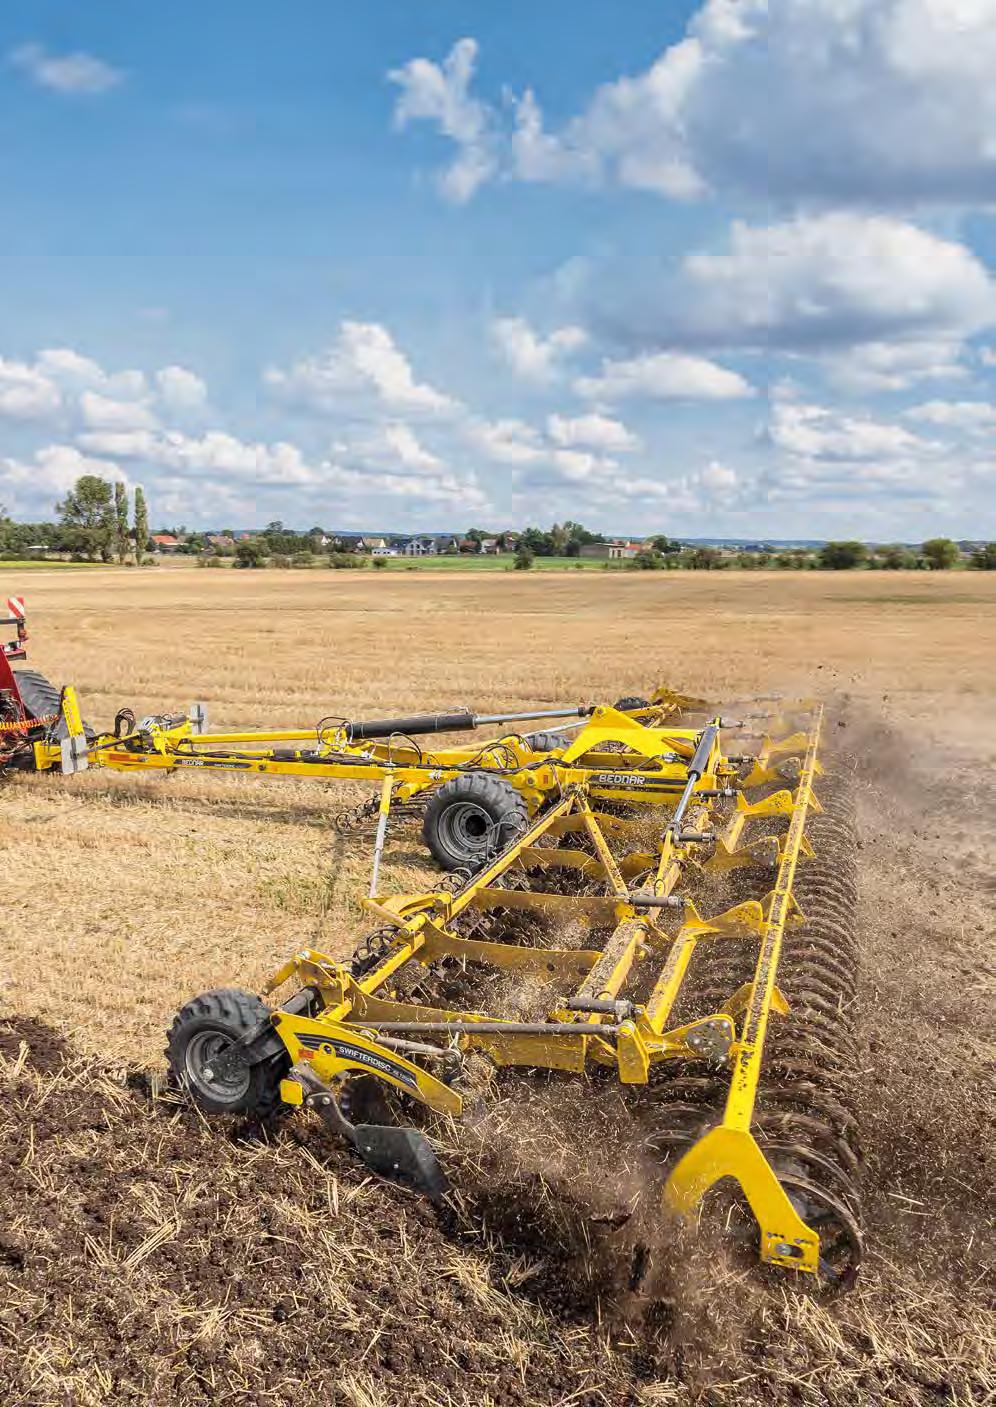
(393,448)
(180,389)
(663,376)
(808,285)
(531,356)
(73,371)
(52,471)
(894,366)
(386,492)
(594,431)
(363,361)
(26,393)
(103,413)
(817,433)
(972,416)
(77,74)
(833,101)
(439,93)
(505,441)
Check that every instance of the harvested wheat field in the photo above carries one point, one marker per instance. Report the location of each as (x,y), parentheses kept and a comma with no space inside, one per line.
(150,1256)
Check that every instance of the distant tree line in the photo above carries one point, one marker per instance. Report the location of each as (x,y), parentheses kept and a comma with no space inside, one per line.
(937,554)
(95,523)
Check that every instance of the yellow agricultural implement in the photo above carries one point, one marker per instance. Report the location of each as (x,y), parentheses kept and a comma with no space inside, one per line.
(475,798)
(727,1023)
(667,880)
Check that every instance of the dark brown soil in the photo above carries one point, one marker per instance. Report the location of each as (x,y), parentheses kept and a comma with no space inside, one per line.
(150,1257)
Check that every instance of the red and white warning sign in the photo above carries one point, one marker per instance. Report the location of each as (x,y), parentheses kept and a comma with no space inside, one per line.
(15,605)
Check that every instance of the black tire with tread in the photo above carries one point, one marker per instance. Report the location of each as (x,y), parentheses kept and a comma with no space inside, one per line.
(502,808)
(231,1012)
(545,742)
(629,702)
(41,698)
(39,695)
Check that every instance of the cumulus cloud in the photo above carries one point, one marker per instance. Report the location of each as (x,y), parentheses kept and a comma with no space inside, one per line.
(663,376)
(364,361)
(834,101)
(74,75)
(26,393)
(506,441)
(103,413)
(73,371)
(875,367)
(816,432)
(440,93)
(813,284)
(531,356)
(594,431)
(48,474)
(973,416)
(180,389)
(393,448)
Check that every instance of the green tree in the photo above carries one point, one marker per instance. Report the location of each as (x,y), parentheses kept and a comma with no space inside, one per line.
(121,520)
(141,525)
(250,553)
(648,560)
(704,559)
(895,557)
(940,553)
(89,508)
(667,546)
(842,556)
(984,558)
(524,557)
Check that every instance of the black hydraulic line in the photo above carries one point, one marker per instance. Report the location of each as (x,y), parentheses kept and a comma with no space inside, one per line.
(462,721)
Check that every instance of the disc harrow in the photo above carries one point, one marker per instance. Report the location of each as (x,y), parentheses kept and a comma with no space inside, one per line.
(702,954)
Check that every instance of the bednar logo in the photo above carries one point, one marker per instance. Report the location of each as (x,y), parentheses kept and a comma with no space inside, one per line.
(15,605)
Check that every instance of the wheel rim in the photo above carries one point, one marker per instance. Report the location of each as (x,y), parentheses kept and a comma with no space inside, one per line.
(465,828)
(202,1050)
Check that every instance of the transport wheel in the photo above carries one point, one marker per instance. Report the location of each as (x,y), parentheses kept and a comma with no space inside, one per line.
(545,742)
(630,702)
(205,1027)
(471,818)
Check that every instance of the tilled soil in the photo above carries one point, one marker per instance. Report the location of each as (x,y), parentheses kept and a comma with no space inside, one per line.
(149,1256)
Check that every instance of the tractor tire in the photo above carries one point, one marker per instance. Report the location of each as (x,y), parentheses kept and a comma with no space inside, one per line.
(630,702)
(545,742)
(201,1030)
(39,695)
(472,818)
(41,699)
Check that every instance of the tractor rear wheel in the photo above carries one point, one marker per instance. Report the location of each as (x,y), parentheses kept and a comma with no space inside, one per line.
(471,818)
(205,1027)
(42,699)
(39,695)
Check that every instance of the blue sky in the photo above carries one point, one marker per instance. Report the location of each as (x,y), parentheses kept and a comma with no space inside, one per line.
(720,268)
